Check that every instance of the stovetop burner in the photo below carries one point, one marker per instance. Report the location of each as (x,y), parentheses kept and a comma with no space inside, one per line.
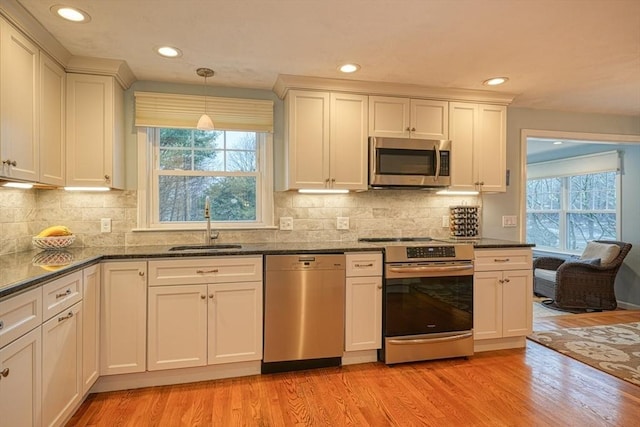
(394,239)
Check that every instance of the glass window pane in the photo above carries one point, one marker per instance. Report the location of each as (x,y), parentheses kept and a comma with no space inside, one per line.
(241,161)
(582,228)
(175,137)
(174,159)
(208,139)
(209,160)
(241,140)
(181,198)
(544,194)
(543,229)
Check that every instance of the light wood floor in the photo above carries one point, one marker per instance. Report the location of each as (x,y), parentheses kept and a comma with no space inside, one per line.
(524,387)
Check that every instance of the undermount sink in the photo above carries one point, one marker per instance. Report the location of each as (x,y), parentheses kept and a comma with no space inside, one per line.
(204,247)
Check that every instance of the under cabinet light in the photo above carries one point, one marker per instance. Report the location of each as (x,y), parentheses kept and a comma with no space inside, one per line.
(87,188)
(23,185)
(457,193)
(321,191)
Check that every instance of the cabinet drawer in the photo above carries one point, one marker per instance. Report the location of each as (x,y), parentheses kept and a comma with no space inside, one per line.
(502,259)
(61,294)
(205,270)
(20,314)
(364,264)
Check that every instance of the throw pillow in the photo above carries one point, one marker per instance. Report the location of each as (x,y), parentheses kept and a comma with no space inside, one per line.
(605,251)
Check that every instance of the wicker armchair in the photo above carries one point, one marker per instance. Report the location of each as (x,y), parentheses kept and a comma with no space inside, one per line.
(579,284)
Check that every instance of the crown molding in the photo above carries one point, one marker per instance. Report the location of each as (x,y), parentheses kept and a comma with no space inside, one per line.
(18,16)
(286,82)
(103,67)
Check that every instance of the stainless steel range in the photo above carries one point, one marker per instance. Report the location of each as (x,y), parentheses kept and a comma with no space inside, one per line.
(428,299)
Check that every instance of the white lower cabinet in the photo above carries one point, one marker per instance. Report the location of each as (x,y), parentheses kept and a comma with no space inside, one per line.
(123,317)
(90,326)
(21,381)
(502,298)
(204,324)
(363,313)
(61,365)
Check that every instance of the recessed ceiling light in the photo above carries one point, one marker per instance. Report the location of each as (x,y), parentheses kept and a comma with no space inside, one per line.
(69,13)
(169,51)
(349,68)
(495,81)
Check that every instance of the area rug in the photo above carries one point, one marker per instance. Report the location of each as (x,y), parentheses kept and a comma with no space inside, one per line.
(614,349)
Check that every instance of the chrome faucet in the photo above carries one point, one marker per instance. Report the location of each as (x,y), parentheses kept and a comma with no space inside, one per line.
(207,215)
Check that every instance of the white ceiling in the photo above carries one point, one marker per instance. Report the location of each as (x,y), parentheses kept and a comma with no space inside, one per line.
(575,55)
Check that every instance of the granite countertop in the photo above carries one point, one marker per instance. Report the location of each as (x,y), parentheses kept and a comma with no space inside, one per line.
(22,270)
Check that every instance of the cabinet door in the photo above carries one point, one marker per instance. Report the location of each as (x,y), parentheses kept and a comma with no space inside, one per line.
(123,318)
(21,381)
(90,326)
(19,87)
(490,149)
(517,291)
(487,305)
(389,116)
(363,322)
(61,365)
(463,131)
(429,119)
(177,327)
(307,139)
(235,322)
(348,148)
(94,133)
(52,117)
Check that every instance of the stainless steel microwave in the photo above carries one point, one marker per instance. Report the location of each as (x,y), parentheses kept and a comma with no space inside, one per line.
(409,163)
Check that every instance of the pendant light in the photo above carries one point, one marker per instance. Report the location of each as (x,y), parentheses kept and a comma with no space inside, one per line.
(205,122)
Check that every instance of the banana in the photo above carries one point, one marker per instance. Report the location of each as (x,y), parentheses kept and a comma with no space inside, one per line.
(56,230)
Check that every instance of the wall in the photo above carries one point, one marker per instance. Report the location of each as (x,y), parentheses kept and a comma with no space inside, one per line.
(496,205)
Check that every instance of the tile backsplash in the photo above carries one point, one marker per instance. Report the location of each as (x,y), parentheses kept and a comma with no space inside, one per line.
(23,213)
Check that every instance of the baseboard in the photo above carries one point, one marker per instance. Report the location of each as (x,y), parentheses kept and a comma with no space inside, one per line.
(628,306)
(499,344)
(362,356)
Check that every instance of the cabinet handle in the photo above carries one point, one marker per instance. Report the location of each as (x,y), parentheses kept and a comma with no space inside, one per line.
(501,260)
(141,273)
(203,297)
(5,372)
(363,265)
(10,162)
(68,316)
(64,294)
(215,270)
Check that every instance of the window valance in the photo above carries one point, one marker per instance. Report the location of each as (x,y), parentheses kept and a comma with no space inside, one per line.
(183,111)
(608,161)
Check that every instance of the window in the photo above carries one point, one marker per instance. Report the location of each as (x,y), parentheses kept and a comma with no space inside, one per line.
(187,165)
(565,212)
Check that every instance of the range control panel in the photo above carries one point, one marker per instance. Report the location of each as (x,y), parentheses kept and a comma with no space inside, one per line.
(431,252)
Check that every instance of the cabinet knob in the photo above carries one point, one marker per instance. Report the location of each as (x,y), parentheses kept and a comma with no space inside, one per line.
(141,273)
(379,286)
(210,296)
(5,372)
(408,129)
(507,280)
(107,178)
(10,162)
(1,324)
(203,297)
(413,129)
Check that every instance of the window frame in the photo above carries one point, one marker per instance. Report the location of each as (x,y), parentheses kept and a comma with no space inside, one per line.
(148,215)
(565,210)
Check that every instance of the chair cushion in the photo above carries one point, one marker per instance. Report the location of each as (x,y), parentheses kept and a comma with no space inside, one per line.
(590,261)
(541,273)
(605,251)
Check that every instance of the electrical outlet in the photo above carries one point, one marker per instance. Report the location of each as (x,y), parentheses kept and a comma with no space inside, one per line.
(509,220)
(445,221)
(105,225)
(342,223)
(286,223)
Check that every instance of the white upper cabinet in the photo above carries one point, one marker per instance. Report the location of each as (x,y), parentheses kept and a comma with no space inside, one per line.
(478,146)
(326,137)
(95,132)
(408,118)
(19,121)
(52,117)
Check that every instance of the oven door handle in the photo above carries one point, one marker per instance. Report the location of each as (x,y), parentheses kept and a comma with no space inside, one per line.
(430,269)
(431,340)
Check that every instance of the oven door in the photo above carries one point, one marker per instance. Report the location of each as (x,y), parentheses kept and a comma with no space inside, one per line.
(428,311)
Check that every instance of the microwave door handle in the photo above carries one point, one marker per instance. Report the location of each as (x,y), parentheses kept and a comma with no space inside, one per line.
(372,156)
(437,147)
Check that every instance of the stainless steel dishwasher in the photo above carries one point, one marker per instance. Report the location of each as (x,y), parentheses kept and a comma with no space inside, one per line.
(303,311)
